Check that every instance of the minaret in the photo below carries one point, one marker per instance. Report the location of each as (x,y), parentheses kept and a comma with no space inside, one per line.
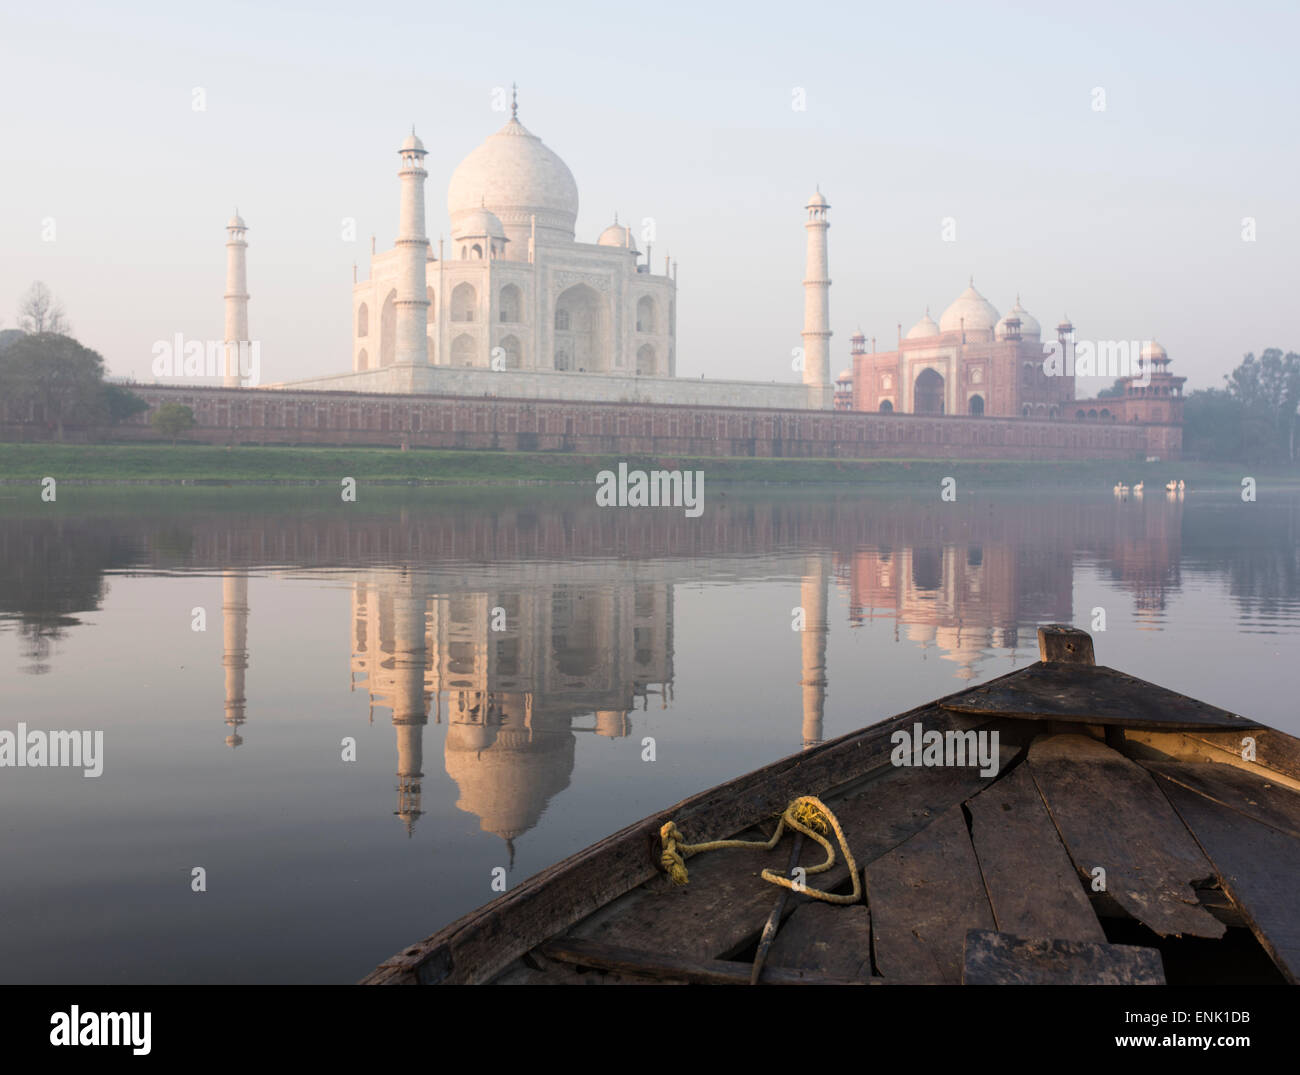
(234,635)
(409,714)
(412,303)
(812,598)
(817,309)
(236,299)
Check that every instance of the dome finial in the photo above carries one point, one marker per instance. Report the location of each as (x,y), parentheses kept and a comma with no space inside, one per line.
(514,100)
(972,280)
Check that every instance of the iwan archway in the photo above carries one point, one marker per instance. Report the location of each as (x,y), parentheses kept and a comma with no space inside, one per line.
(927,393)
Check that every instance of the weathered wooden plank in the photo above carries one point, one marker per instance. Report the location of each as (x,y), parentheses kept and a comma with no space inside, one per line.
(654,965)
(1238,789)
(1033,887)
(1272,749)
(1111,814)
(1090,694)
(1259,867)
(1065,644)
(724,905)
(924,895)
(827,940)
(1003,959)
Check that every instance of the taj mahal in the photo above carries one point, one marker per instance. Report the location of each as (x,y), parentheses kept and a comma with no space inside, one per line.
(517,305)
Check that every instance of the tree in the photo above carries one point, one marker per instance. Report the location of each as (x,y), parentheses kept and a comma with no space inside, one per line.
(1268,389)
(1117,389)
(172,419)
(1213,421)
(120,403)
(40,312)
(54,379)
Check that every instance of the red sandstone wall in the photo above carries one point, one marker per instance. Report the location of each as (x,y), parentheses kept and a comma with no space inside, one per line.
(262,416)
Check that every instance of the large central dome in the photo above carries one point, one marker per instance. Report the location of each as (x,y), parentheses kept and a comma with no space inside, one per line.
(513,175)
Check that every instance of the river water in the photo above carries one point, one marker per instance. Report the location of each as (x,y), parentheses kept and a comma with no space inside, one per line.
(353,717)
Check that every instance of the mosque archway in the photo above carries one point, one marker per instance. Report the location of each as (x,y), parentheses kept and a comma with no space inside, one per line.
(462,350)
(585,335)
(363,360)
(513,352)
(645,314)
(976,406)
(886,407)
(363,320)
(927,393)
(512,304)
(645,361)
(464,301)
(388,330)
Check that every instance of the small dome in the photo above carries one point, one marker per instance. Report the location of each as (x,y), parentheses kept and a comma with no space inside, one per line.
(617,235)
(971,309)
(923,328)
(845,375)
(236,221)
(1153,352)
(818,201)
(478,223)
(412,142)
(1029,326)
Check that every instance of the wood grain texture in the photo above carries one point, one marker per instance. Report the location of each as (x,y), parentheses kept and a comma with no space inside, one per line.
(1259,867)
(1004,959)
(1091,694)
(1238,789)
(924,896)
(1034,889)
(826,940)
(1111,814)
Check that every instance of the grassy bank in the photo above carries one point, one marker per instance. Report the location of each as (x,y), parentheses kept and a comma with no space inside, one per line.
(201,464)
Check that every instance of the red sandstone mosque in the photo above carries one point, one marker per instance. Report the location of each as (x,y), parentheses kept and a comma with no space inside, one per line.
(973,362)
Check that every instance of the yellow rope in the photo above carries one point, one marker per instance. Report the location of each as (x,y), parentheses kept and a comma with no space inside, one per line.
(806,814)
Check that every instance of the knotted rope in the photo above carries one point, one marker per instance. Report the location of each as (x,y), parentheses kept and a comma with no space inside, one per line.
(806,814)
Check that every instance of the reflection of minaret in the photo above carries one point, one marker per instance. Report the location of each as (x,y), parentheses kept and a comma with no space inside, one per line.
(409,715)
(812,598)
(234,634)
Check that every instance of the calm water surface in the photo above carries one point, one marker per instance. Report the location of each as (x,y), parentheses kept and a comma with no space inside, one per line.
(500,661)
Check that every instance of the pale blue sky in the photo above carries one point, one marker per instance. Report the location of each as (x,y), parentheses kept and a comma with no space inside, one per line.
(1128,219)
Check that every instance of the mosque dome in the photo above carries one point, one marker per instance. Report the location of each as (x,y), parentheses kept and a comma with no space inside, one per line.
(617,235)
(515,176)
(236,221)
(1029,326)
(845,375)
(412,142)
(478,223)
(971,309)
(923,328)
(817,201)
(1153,352)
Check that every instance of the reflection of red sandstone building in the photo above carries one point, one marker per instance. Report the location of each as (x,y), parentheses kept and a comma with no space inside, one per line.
(974,363)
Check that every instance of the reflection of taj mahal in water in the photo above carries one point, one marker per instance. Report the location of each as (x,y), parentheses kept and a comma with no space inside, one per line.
(517,673)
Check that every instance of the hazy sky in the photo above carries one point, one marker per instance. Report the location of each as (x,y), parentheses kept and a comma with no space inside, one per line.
(1128,219)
